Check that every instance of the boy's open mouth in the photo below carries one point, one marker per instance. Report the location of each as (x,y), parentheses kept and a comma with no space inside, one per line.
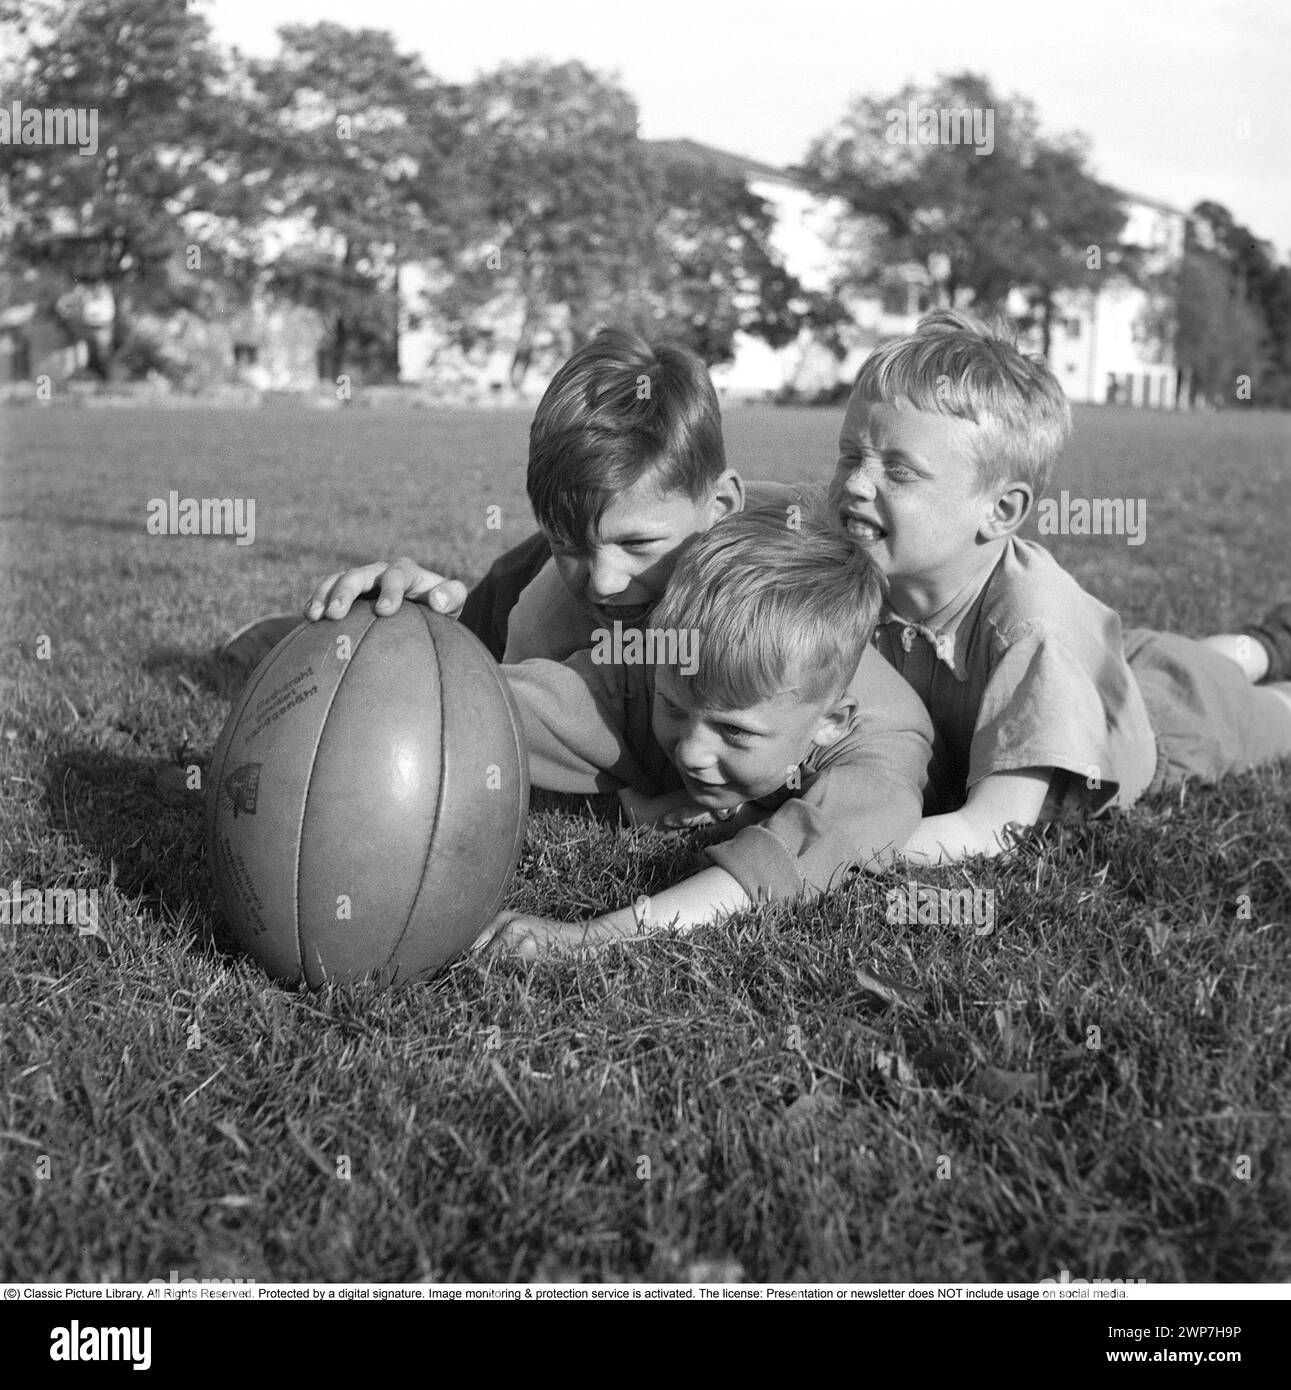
(861,528)
(629,614)
(703,789)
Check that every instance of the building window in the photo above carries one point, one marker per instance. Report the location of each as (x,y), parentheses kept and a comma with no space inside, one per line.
(1071,327)
(245,354)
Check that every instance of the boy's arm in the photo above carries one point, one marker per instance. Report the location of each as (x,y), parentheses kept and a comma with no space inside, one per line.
(586,727)
(488,605)
(860,809)
(981,825)
(694,902)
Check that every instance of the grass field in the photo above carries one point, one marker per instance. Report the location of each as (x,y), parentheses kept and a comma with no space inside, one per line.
(1101,1084)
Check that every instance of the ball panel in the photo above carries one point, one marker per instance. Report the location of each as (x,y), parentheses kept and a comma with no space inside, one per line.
(259,787)
(372,803)
(396,779)
(483,806)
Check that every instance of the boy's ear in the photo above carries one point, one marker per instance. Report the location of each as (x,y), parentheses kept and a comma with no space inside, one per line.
(836,721)
(1012,507)
(727,496)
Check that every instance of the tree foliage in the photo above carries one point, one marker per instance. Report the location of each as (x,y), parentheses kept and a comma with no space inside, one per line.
(350,157)
(1007,208)
(119,221)
(564,199)
(717,271)
(1261,284)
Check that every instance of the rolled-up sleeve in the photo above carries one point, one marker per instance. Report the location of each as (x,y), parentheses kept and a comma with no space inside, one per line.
(587,726)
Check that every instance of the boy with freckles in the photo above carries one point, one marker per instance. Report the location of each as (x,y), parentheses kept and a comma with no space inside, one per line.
(1041,704)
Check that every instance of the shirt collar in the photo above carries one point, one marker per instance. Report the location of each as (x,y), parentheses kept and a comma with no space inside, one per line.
(948,635)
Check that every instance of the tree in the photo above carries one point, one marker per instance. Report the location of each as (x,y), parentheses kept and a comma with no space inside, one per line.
(565,200)
(1070,230)
(1263,284)
(1217,337)
(123,220)
(971,191)
(716,270)
(351,156)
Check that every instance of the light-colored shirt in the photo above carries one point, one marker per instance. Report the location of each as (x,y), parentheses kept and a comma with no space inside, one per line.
(548,621)
(1027,670)
(588,729)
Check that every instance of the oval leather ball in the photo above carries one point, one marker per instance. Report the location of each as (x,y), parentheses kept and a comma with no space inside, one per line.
(367,800)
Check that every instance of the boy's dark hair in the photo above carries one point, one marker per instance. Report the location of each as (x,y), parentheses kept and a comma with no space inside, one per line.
(781,602)
(955,364)
(621,408)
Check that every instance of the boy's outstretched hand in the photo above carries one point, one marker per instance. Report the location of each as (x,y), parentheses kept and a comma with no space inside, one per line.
(405,579)
(531,937)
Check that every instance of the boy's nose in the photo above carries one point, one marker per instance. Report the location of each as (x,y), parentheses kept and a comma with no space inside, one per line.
(858,483)
(694,752)
(604,580)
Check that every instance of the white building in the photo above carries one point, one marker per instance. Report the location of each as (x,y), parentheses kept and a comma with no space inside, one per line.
(1100,349)
(1098,345)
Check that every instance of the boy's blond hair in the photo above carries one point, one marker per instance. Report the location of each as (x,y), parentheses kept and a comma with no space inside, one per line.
(955,364)
(780,602)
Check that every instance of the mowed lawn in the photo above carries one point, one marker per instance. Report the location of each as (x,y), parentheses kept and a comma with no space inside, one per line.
(1100,1084)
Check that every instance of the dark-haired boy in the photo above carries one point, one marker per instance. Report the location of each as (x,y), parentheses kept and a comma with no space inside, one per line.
(626,465)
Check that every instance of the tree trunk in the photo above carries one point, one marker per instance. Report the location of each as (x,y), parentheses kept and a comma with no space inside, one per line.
(523,354)
(117,335)
(392,357)
(340,342)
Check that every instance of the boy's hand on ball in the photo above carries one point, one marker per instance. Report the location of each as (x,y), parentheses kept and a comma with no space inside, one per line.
(405,579)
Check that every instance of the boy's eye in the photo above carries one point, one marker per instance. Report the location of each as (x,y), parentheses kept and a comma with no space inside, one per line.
(857,458)
(734,734)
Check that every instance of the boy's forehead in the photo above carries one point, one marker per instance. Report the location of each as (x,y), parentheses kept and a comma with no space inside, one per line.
(900,425)
(644,506)
(679,692)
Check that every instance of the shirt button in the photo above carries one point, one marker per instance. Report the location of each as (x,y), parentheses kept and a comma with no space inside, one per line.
(908,635)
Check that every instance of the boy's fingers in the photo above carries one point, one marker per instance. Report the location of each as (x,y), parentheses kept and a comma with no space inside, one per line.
(394,584)
(350,585)
(448,597)
(496,931)
(318,599)
(443,595)
(333,597)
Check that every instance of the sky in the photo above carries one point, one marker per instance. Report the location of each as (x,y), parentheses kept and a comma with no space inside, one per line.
(1183,100)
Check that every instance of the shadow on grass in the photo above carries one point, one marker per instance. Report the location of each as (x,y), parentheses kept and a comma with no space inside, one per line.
(196,668)
(111,805)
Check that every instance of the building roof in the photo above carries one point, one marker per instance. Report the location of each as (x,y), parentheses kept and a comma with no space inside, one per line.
(724,162)
(1154,203)
(743,166)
